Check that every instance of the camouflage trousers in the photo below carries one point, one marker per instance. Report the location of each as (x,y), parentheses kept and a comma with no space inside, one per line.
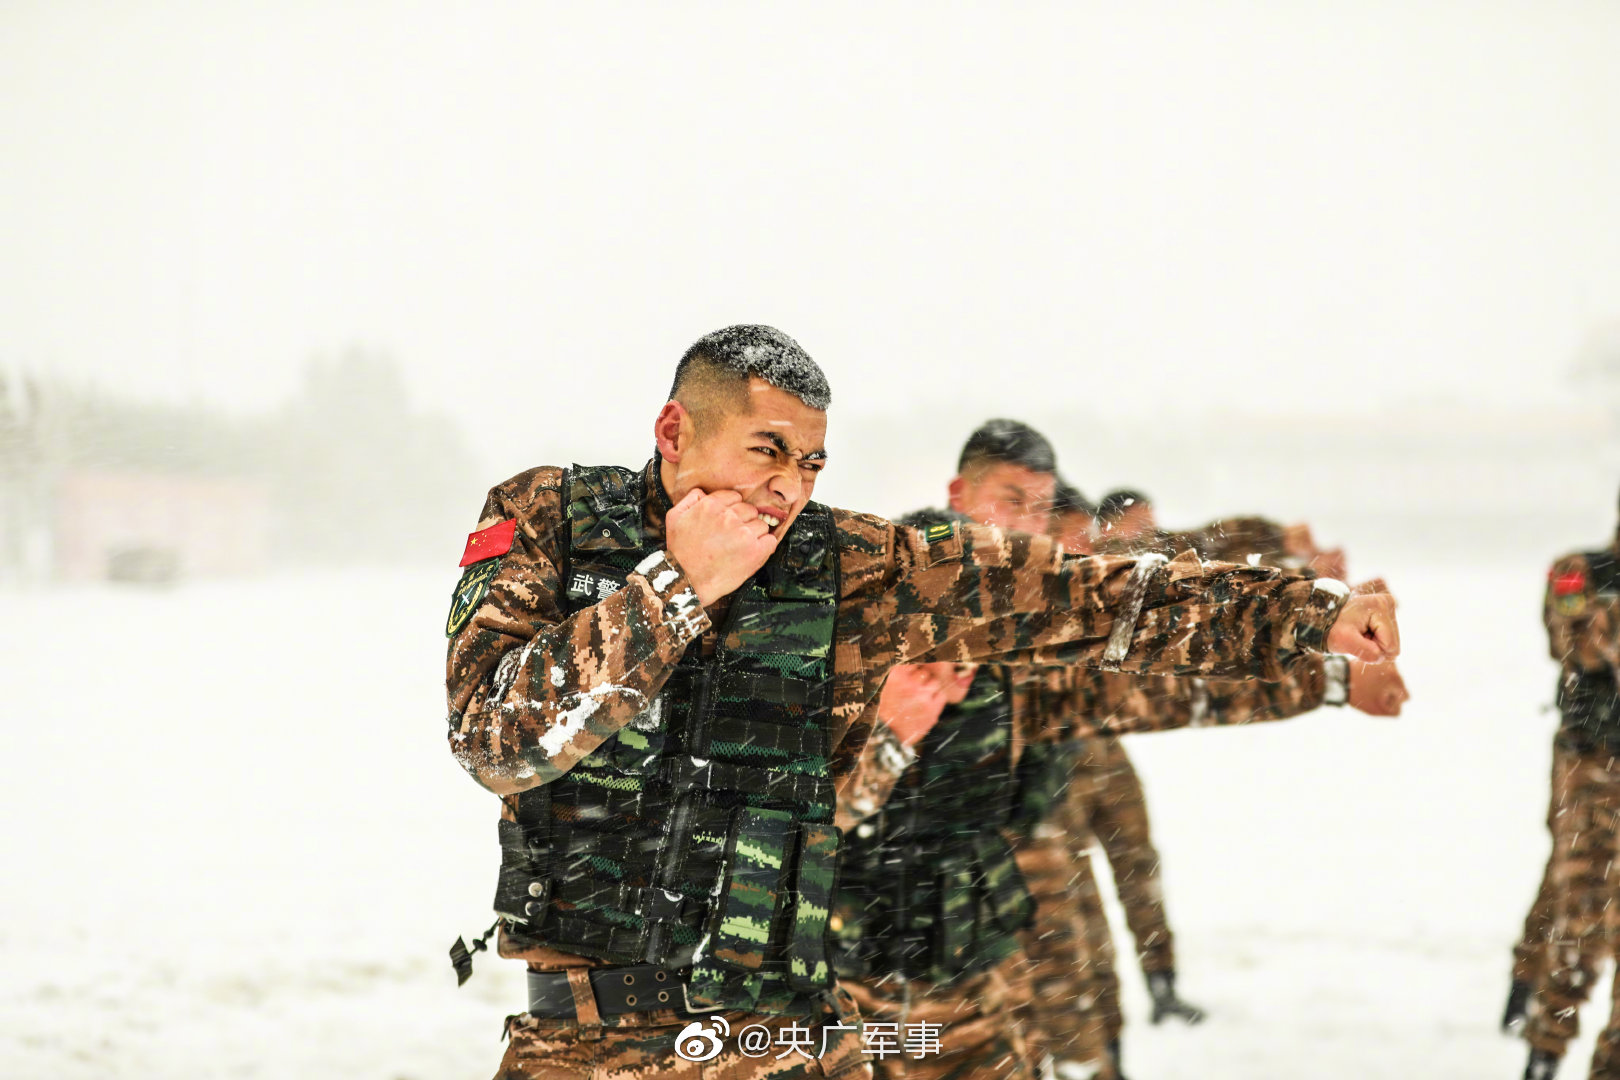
(1074,1010)
(1530,952)
(1585,822)
(980,1024)
(638,1045)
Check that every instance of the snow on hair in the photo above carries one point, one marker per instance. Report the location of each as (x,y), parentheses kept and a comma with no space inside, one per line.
(765,351)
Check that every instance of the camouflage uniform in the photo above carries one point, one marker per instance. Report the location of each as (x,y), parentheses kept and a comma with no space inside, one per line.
(534,692)
(1582,615)
(1235,539)
(1530,952)
(1077,1014)
(1004,1022)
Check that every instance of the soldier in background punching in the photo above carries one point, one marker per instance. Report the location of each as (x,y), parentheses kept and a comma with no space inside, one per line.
(1072,946)
(930,908)
(1126,523)
(1582,615)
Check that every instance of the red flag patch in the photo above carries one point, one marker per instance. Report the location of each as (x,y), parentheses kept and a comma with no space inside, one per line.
(488,543)
(1566,584)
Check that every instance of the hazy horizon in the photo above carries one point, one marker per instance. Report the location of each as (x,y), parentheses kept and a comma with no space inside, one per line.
(1188,206)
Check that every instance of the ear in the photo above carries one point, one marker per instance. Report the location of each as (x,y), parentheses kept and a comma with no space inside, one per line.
(673,431)
(958,493)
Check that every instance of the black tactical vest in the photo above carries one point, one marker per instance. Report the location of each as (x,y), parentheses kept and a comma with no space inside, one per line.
(930,888)
(1588,701)
(700,835)
(1044,773)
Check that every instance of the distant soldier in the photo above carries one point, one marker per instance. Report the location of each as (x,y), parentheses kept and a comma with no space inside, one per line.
(1126,523)
(1582,615)
(1073,945)
(931,911)
(1126,517)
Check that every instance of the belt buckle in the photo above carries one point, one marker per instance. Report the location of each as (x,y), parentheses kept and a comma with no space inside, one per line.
(687,998)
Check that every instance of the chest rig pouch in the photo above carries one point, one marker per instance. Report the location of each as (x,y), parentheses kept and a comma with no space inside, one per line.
(1044,772)
(930,887)
(1589,701)
(700,835)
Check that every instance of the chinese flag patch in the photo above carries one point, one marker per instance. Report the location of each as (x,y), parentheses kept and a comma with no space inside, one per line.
(488,543)
(1566,584)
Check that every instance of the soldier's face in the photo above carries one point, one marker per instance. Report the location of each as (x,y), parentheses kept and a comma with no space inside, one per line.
(1005,495)
(769,451)
(1137,520)
(1073,531)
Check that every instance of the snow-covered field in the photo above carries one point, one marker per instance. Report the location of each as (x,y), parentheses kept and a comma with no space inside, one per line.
(235,845)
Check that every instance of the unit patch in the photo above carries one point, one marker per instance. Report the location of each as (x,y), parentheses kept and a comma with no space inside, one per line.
(470,592)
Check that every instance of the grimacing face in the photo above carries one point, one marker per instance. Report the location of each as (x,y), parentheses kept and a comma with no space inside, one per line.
(769,452)
(1009,496)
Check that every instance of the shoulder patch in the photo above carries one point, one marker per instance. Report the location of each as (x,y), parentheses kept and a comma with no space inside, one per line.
(470,592)
(1571,605)
(490,542)
(938,532)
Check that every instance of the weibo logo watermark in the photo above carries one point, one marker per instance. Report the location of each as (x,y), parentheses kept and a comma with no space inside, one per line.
(696,1042)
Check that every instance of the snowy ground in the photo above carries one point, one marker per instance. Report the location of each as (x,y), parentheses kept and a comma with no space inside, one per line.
(235,845)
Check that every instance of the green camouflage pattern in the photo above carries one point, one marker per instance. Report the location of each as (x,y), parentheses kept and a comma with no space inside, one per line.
(957,906)
(728,971)
(808,962)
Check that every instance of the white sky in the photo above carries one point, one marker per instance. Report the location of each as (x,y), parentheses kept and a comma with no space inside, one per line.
(535,207)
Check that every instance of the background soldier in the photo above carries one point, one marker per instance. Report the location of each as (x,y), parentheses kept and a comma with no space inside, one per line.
(1126,517)
(1582,615)
(1073,945)
(900,959)
(663,674)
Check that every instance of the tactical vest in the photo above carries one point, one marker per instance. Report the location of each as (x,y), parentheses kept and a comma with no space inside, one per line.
(930,888)
(1588,701)
(1044,773)
(701,834)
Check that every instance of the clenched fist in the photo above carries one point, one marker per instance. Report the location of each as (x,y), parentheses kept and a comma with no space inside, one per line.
(914,695)
(1365,628)
(719,540)
(1377,689)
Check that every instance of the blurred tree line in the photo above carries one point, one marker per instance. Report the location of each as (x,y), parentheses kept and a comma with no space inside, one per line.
(354,473)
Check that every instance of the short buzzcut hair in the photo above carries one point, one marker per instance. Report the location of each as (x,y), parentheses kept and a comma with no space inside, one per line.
(717,367)
(1010,442)
(1115,503)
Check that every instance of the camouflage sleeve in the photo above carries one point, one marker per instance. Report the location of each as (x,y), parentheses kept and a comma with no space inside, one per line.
(864,789)
(1301,690)
(1119,819)
(1236,539)
(975,593)
(1583,625)
(531,692)
(1090,702)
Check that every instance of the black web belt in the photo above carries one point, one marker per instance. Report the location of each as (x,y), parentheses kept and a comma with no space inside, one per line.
(618,990)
